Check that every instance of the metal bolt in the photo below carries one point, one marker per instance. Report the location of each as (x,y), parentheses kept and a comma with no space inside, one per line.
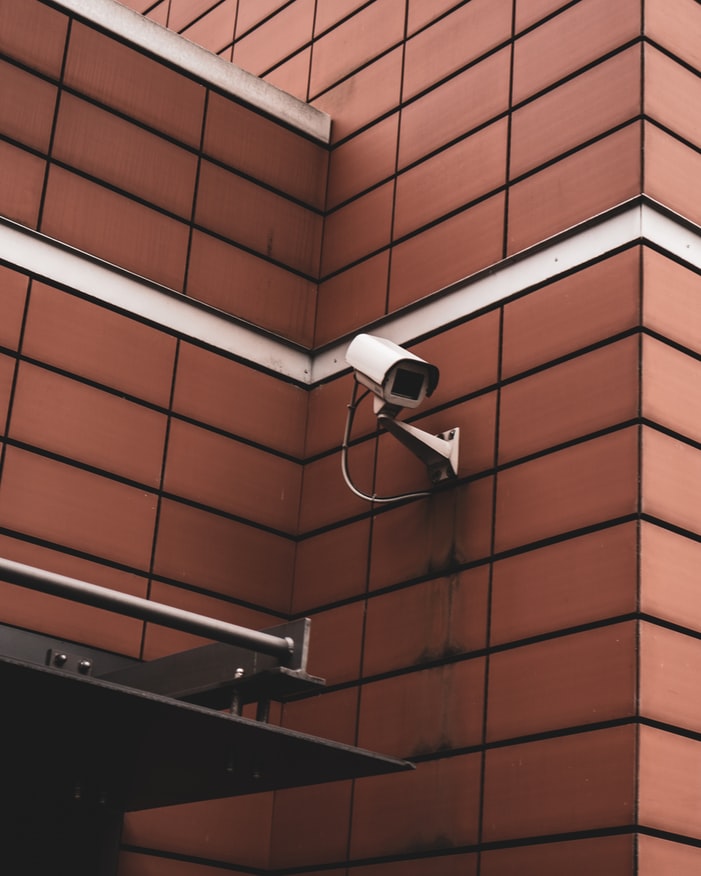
(84,667)
(60,659)
(239,672)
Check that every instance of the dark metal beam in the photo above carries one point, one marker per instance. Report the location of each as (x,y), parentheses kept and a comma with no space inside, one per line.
(144,609)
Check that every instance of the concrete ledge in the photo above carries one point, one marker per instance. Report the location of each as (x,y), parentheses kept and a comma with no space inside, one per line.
(164,43)
(638,221)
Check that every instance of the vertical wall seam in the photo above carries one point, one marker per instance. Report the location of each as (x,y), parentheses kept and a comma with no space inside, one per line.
(490,585)
(641,450)
(191,224)
(176,354)
(234,29)
(642,99)
(311,56)
(329,151)
(497,426)
(15,376)
(395,177)
(638,569)
(54,124)
(509,122)
(159,492)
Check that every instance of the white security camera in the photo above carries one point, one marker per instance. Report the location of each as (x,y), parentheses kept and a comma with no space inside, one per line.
(398,379)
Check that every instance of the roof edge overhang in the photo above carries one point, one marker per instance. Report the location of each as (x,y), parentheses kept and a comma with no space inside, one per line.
(134,28)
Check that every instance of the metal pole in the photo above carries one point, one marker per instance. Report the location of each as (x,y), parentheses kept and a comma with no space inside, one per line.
(145,609)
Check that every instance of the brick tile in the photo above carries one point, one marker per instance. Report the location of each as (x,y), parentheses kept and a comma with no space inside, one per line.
(581,109)
(456,106)
(672,173)
(571,40)
(27,107)
(440,185)
(671,476)
(668,794)
(675,25)
(575,188)
(265,150)
(571,582)
(438,257)
(246,213)
(434,807)
(99,344)
(224,556)
(227,394)
(264,293)
(13,294)
(358,40)
(671,304)
(424,711)
(363,97)
(670,662)
(331,566)
(657,855)
(563,682)
(223,473)
(576,857)
(65,505)
(571,313)
(668,576)
(86,424)
(428,621)
(235,830)
(353,298)
(33,34)
(452,42)
(287,30)
(20,191)
(562,784)
(125,155)
(140,87)
(580,486)
(115,228)
(577,397)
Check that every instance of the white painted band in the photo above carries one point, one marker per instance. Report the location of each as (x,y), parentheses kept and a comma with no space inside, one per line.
(539,264)
(35,253)
(58,263)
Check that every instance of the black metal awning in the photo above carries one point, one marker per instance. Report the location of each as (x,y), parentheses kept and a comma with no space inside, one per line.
(66,735)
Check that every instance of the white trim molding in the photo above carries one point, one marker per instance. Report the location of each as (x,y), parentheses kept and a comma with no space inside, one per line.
(209,68)
(105,283)
(636,222)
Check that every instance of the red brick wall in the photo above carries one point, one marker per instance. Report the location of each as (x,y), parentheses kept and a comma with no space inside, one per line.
(530,635)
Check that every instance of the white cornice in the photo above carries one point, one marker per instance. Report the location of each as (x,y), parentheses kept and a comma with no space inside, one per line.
(198,62)
(63,265)
(628,224)
(636,220)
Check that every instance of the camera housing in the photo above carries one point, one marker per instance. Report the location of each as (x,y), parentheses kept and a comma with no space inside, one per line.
(397,377)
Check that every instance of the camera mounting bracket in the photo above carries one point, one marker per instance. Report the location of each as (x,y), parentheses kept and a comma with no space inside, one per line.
(438,452)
